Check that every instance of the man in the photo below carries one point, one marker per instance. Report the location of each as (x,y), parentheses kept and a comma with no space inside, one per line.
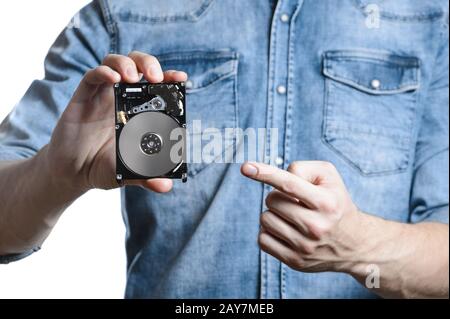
(358,91)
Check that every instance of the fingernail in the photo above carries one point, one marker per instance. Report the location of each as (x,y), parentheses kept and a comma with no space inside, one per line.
(249,170)
(168,183)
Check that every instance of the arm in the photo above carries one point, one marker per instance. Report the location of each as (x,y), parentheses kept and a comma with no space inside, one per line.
(413,260)
(29,207)
(79,157)
(312,225)
(55,146)
(31,203)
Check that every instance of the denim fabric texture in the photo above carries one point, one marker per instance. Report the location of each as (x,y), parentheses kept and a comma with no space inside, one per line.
(374,101)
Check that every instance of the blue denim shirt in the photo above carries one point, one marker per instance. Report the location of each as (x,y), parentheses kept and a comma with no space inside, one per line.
(366,88)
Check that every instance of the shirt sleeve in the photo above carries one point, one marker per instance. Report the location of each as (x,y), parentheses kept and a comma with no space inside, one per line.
(79,47)
(12,258)
(430,188)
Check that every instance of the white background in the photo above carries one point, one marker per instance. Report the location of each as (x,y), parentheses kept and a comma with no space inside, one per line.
(85,256)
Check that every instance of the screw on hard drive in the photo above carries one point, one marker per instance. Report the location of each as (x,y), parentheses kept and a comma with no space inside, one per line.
(119,179)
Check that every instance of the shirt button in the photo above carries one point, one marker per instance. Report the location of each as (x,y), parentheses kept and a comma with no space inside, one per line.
(189,84)
(375,84)
(284,18)
(279,161)
(281,89)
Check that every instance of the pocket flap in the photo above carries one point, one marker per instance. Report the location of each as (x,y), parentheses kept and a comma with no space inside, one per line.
(159,11)
(373,72)
(203,67)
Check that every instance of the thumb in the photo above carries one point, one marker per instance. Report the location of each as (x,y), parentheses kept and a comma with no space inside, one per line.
(158,185)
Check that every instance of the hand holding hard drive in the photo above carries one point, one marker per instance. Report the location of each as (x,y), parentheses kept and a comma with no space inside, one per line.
(82,150)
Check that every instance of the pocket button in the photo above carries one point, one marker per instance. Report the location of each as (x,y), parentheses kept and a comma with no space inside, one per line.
(375,84)
(189,84)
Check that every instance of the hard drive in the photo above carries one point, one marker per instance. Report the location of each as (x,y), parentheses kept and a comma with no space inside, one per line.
(150,131)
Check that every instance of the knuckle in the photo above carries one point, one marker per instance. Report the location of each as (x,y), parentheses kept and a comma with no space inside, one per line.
(265,219)
(288,186)
(107,58)
(294,167)
(271,199)
(118,61)
(327,166)
(321,204)
(134,53)
(295,241)
(330,205)
(295,262)
(327,205)
(91,71)
(113,57)
(126,61)
(298,222)
(143,57)
(308,249)
(333,205)
(300,262)
(100,68)
(262,241)
(319,231)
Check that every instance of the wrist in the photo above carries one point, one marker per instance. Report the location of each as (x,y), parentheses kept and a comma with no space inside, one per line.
(374,244)
(360,243)
(59,180)
(348,241)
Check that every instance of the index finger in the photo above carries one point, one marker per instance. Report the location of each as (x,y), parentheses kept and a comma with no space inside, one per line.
(283,181)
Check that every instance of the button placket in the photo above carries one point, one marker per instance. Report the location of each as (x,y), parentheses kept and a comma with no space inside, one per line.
(289,110)
(272,277)
(279,161)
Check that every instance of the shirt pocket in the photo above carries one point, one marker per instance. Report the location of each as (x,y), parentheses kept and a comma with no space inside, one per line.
(211,102)
(370,107)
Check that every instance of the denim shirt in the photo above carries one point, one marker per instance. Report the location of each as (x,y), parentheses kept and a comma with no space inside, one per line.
(359,83)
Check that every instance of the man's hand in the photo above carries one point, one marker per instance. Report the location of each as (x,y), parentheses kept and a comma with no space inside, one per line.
(312,225)
(310,217)
(79,157)
(82,149)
